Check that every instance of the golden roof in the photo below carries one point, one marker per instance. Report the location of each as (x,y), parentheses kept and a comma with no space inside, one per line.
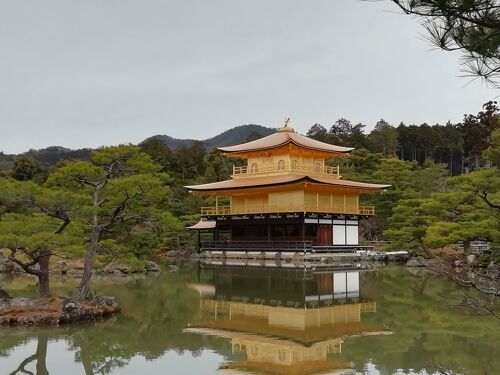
(309,335)
(283,137)
(282,180)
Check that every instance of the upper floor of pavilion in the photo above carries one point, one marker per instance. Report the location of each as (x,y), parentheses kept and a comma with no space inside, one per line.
(285,152)
(286,172)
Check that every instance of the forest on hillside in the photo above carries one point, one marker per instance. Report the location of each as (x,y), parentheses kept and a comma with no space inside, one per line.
(445,189)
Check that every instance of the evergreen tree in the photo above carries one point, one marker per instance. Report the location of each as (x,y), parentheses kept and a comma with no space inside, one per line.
(384,139)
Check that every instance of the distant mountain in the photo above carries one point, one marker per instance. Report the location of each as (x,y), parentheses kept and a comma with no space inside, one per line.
(52,155)
(233,136)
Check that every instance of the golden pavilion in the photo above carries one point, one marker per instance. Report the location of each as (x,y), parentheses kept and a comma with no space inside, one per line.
(285,196)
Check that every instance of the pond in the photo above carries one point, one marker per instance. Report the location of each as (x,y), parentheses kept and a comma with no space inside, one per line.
(221,319)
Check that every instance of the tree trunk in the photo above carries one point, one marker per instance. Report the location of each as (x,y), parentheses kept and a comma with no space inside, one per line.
(43,275)
(462,160)
(450,167)
(477,161)
(424,247)
(84,287)
(43,285)
(41,355)
(466,244)
(81,340)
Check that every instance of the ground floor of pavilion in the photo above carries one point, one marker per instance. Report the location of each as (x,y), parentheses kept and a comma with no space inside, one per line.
(278,231)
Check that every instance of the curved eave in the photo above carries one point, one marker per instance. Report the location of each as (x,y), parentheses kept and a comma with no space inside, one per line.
(258,182)
(203,224)
(269,143)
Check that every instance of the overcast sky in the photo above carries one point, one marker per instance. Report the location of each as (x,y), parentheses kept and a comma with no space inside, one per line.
(99,72)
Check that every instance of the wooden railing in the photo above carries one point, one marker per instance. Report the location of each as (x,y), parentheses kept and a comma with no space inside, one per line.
(295,246)
(291,207)
(285,168)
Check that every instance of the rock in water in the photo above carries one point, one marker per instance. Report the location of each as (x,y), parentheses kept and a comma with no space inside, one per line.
(4,294)
(173,268)
(493,270)
(6,266)
(416,262)
(62,267)
(152,267)
(123,268)
(471,259)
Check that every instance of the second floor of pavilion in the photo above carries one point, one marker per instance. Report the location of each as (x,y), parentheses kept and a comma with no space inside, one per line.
(299,197)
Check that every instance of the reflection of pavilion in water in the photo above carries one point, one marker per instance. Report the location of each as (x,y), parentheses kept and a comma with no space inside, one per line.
(284,320)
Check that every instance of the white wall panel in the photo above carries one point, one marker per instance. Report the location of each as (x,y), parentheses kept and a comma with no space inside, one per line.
(339,235)
(352,235)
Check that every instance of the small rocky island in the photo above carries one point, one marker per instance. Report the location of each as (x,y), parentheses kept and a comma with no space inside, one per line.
(61,310)
(52,311)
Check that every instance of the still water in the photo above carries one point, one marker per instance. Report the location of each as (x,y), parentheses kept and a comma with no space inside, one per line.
(213,319)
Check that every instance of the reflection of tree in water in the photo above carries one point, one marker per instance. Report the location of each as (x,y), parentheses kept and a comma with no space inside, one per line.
(98,365)
(155,313)
(426,330)
(80,343)
(40,357)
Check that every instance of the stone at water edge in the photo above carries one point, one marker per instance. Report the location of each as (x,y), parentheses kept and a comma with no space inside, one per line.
(471,259)
(62,267)
(117,269)
(4,295)
(417,262)
(152,266)
(96,308)
(6,266)
(173,268)
(171,253)
(122,268)
(493,270)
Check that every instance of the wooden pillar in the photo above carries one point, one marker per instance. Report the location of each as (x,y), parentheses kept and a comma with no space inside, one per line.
(199,241)
(268,229)
(303,230)
(216,204)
